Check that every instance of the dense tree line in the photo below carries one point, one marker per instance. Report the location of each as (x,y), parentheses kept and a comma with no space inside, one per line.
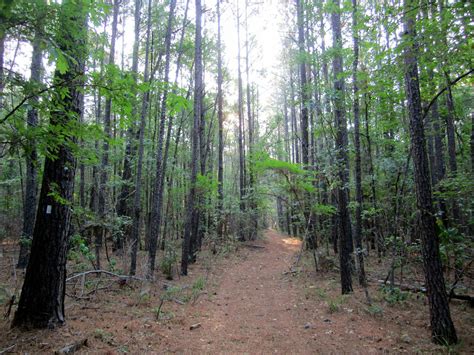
(367,150)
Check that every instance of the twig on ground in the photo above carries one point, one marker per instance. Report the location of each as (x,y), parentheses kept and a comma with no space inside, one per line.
(253,246)
(8,307)
(125,277)
(179,301)
(72,348)
(7,349)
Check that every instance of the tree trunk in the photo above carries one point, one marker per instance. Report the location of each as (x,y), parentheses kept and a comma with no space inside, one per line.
(358,172)
(442,328)
(220,117)
(135,233)
(157,200)
(251,183)
(303,84)
(190,229)
(345,238)
(241,134)
(29,207)
(130,147)
(41,302)
(2,72)
(104,166)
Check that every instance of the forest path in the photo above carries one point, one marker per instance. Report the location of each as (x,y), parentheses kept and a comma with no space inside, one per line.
(254,308)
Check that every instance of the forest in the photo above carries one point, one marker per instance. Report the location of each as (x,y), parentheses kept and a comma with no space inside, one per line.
(236,176)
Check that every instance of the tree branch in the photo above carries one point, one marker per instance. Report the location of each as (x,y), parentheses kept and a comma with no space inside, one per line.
(451,83)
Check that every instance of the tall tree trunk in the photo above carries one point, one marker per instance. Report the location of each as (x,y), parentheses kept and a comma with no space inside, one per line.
(170,118)
(157,200)
(241,134)
(251,183)
(451,135)
(472,143)
(41,302)
(130,147)
(104,166)
(345,238)
(442,328)
(135,233)
(220,117)
(2,59)
(31,186)
(303,84)
(190,228)
(294,123)
(358,172)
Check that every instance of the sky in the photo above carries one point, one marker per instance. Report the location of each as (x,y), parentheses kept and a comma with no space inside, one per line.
(266,27)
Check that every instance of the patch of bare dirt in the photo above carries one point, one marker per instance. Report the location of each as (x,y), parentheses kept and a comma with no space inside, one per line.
(250,304)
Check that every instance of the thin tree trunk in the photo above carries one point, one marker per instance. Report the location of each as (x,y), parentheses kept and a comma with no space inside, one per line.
(190,228)
(220,117)
(358,172)
(130,147)
(241,133)
(31,186)
(2,72)
(102,208)
(157,200)
(303,85)
(251,183)
(135,233)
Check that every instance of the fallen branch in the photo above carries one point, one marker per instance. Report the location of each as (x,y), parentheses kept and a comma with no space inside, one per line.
(7,349)
(404,287)
(253,246)
(123,277)
(179,301)
(420,289)
(71,348)
(467,298)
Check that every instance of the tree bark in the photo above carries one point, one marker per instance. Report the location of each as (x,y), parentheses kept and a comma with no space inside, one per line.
(135,232)
(303,84)
(358,170)
(104,166)
(345,238)
(442,328)
(29,207)
(41,302)
(220,117)
(190,229)
(242,186)
(157,200)
(130,147)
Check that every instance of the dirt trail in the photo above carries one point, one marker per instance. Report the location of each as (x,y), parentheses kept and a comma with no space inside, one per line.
(254,307)
(250,306)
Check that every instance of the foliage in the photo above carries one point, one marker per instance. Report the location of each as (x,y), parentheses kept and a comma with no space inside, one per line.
(78,248)
(393,295)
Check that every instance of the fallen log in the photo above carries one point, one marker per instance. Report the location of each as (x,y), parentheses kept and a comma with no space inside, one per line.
(466,298)
(404,287)
(421,289)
